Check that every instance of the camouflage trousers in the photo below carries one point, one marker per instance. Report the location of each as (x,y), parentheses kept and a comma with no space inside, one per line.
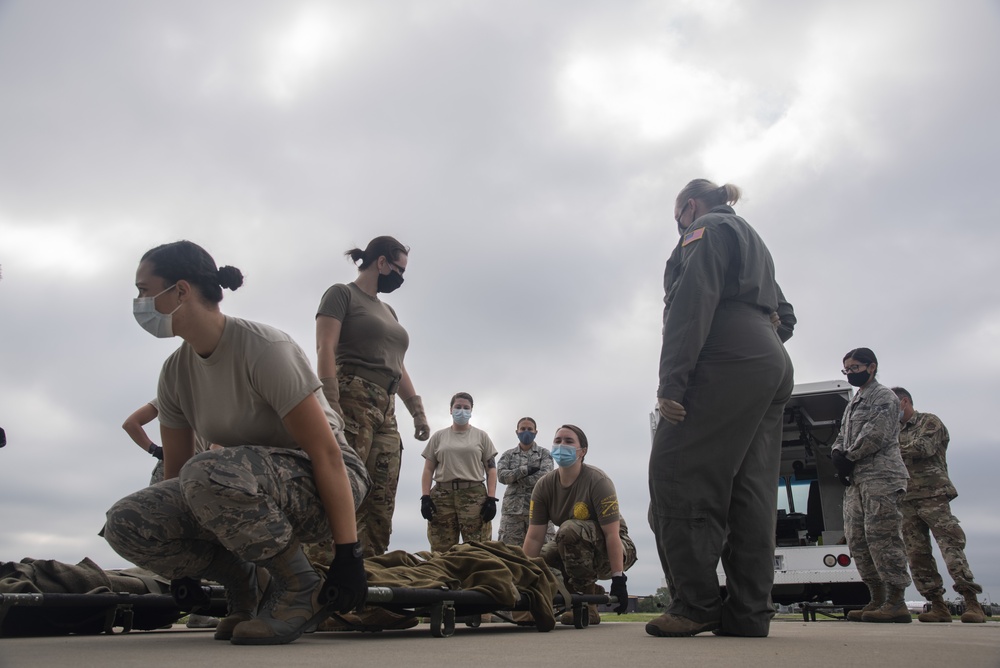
(872,525)
(514,528)
(457,514)
(248,500)
(580,553)
(920,518)
(157,474)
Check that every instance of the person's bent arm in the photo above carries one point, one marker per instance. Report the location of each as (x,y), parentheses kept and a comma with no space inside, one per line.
(616,552)
(327,338)
(178,447)
(308,425)
(506,473)
(931,440)
(135,422)
(534,539)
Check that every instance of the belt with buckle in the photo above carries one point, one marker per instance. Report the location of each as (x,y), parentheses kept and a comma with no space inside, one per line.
(383,380)
(459,484)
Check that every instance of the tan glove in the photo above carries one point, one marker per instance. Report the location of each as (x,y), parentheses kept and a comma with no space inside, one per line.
(331,390)
(421,428)
(671,411)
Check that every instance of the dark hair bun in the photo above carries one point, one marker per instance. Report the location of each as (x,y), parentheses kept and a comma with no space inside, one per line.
(230,277)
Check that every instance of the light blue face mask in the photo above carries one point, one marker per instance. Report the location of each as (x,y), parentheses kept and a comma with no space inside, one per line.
(158,324)
(563,455)
(461,416)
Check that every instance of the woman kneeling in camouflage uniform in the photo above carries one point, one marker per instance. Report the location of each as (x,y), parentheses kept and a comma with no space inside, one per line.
(592,542)
(285,473)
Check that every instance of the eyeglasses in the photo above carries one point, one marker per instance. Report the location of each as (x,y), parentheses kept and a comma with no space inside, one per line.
(854,368)
(677,218)
(396,267)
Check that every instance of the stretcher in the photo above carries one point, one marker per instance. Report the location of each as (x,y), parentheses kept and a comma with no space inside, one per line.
(59,614)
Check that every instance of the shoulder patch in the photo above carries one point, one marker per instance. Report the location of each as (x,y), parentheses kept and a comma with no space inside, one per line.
(693,236)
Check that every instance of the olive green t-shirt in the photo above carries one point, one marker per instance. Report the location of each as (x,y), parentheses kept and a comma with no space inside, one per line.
(370,334)
(592,496)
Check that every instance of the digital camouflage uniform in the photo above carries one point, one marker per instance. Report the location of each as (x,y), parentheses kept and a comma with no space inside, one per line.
(248,500)
(512,471)
(923,442)
(869,436)
(457,513)
(370,428)
(580,552)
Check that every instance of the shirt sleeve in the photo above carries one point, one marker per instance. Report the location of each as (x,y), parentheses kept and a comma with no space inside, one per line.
(507,473)
(605,500)
(489,451)
(538,509)
(335,302)
(930,438)
(168,406)
(430,450)
(693,300)
(877,429)
(282,376)
(786,317)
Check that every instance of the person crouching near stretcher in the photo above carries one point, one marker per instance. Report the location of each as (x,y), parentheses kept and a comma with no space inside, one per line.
(592,542)
(285,474)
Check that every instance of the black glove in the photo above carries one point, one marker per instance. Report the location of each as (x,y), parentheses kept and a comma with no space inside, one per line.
(533,469)
(346,586)
(489,509)
(844,466)
(427,507)
(156,451)
(620,591)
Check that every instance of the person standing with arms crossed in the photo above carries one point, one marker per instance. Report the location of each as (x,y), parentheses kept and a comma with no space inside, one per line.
(519,469)
(458,459)
(724,380)
(923,444)
(360,347)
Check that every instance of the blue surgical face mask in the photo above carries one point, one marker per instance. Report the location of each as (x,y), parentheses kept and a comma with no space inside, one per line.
(158,324)
(901,413)
(563,455)
(526,437)
(461,416)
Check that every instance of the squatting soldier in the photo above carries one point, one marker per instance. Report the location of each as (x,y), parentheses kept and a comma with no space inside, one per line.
(923,441)
(520,468)
(284,476)
(592,542)
(458,459)
(866,455)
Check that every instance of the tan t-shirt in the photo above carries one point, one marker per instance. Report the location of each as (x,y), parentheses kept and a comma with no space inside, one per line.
(239,394)
(200,444)
(459,455)
(370,334)
(592,496)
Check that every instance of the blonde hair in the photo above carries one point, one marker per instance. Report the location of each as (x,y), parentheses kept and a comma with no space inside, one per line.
(709,193)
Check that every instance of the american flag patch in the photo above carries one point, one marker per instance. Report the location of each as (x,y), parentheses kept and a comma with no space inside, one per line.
(693,236)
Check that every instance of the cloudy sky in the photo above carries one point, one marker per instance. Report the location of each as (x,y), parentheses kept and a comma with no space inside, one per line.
(529,153)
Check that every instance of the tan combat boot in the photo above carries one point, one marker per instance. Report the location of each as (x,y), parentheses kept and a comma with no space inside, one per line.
(877,591)
(291,604)
(939,611)
(973,611)
(894,609)
(244,583)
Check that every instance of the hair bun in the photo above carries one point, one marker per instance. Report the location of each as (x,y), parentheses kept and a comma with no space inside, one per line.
(230,277)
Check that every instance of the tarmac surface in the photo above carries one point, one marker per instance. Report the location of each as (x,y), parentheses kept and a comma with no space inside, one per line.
(616,645)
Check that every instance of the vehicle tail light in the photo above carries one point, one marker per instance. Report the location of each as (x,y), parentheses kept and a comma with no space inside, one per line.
(844,560)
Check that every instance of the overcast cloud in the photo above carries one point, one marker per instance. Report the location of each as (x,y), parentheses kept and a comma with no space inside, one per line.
(529,153)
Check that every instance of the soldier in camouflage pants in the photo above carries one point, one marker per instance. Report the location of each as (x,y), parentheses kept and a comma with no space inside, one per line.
(926,508)
(458,512)
(580,553)
(370,427)
(247,500)
(519,469)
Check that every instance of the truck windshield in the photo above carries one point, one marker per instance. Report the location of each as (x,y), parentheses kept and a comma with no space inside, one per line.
(793,495)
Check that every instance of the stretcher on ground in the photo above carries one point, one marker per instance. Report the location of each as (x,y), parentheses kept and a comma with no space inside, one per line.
(35,614)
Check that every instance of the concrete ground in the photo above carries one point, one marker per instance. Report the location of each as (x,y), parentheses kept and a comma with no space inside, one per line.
(609,645)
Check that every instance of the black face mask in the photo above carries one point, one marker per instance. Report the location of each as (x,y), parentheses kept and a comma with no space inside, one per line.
(858,379)
(389,282)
